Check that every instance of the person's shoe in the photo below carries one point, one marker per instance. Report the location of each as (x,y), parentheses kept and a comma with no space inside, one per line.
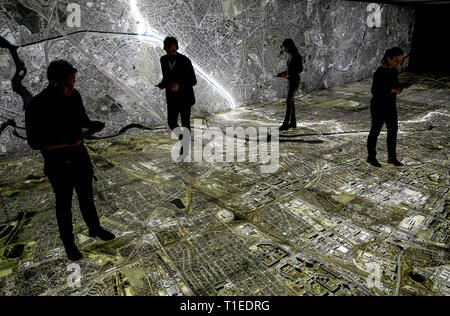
(293,125)
(283,127)
(374,162)
(72,252)
(102,233)
(395,162)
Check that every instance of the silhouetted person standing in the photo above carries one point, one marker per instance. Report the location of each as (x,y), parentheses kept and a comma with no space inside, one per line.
(54,122)
(383,106)
(295,68)
(178,81)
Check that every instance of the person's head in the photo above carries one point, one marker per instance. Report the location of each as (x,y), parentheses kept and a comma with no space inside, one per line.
(393,57)
(61,75)
(171,46)
(289,47)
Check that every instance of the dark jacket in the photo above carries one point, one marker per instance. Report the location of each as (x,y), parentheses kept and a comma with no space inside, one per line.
(384,80)
(52,118)
(295,68)
(182,73)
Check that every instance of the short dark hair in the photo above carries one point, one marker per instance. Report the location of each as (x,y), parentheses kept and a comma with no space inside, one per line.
(391,53)
(58,70)
(169,41)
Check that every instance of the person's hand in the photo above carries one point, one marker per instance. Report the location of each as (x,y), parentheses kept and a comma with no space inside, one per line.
(65,144)
(175,87)
(78,141)
(99,126)
(400,89)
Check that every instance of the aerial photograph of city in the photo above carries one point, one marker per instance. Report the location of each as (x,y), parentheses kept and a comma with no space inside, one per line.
(224,148)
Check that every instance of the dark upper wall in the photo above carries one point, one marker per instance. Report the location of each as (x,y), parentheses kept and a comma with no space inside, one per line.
(234,43)
(429,50)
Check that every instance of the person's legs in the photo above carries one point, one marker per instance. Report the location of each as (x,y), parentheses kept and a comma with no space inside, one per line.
(377,125)
(293,122)
(85,193)
(185,114)
(83,187)
(63,188)
(293,90)
(172,116)
(289,106)
(392,130)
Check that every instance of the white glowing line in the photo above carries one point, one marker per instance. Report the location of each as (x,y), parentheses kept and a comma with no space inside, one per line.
(142,27)
(143,30)
(215,85)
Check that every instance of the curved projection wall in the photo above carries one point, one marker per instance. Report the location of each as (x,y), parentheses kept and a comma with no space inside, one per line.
(234,45)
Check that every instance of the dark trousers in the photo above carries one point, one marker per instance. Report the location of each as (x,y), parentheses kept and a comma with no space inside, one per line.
(70,169)
(63,188)
(174,111)
(290,118)
(380,116)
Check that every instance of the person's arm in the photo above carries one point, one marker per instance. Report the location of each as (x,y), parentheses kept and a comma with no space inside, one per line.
(92,126)
(381,85)
(399,87)
(35,127)
(295,66)
(185,76)
(81,111)
(166,81)
(64,145)
(161,85)
(86,122)
(32,121)
(193,78)
(396,88)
